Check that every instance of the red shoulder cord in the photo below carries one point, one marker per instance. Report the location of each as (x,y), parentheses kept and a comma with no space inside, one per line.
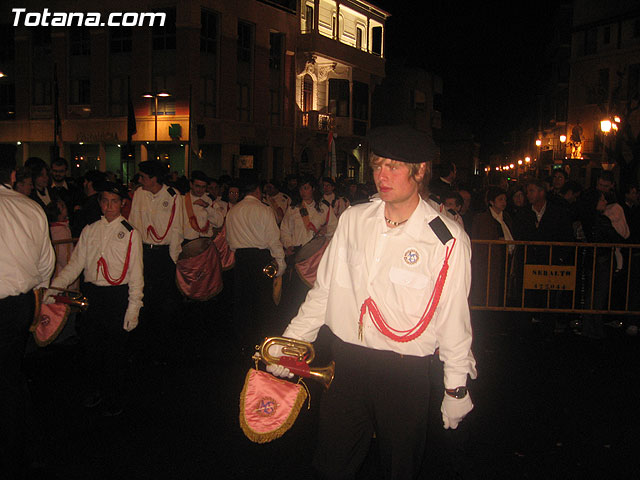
(152,231)
(419,328)
(193,221)
(102,263)
(309,224)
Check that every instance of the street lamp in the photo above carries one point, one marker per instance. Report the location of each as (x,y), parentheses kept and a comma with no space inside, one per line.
(155,96)
(608,125)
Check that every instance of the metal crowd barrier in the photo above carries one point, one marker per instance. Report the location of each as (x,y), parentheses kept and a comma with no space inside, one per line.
(563,277)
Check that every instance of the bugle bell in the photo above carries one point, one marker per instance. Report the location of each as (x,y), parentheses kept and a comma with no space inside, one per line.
(296,356)
(73,298)
(271,270)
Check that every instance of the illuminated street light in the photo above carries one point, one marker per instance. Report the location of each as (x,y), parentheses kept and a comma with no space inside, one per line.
(519,162)
(155,96)
(605,126)
(527,159)
(538,142)
(563,138)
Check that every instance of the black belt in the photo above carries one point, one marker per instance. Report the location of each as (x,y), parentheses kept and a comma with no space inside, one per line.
(153,246)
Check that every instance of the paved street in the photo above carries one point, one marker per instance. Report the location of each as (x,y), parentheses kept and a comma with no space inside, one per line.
(547,406)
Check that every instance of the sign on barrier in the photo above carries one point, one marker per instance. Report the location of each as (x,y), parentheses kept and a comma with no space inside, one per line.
(549,277)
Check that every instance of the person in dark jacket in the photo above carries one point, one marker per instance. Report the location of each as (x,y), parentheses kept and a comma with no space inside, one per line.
(492,224)
(544,222)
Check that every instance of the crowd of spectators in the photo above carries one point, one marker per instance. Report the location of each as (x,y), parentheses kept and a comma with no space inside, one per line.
(556,208)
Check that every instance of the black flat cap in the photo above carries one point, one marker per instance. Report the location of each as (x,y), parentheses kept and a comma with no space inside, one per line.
(112,187)
(403,143)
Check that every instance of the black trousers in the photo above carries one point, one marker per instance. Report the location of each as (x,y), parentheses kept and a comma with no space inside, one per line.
(104,340)
(253,309)
(373,392)
(15,318)
(160,302)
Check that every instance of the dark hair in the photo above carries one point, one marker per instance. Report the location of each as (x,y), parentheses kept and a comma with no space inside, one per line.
(537,182)
(446,168)
(60,161)
(154,168)
(35,165)
(329,180)
(561,172)
(248,184)
(199,175)
(95,177)
(607,176)
(571,186)
(7,165)
(455,195)
(317,192)
(493,193)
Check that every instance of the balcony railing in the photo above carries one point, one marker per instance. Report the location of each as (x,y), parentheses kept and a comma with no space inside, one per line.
(314,120)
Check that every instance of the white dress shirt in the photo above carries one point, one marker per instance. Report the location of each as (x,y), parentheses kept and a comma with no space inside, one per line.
(109,240)
(293,231)
(27,258)
(252,224)
(149,209)
(213,213)
(339,204)
(398,269)
(279,200)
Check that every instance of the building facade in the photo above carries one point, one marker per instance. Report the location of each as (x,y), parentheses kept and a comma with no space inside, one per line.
(253,86)
(604,90)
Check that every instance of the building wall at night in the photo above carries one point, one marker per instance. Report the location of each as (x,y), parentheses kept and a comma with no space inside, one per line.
(235,71)
(605,73)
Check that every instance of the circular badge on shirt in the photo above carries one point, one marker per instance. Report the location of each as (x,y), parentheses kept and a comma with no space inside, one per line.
(411,256)
(165,204)
(120,235)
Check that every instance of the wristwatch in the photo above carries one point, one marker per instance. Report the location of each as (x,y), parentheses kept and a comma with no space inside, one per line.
(459,392)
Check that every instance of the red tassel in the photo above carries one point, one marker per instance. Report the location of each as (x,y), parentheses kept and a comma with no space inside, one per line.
(418,329)
(105,268)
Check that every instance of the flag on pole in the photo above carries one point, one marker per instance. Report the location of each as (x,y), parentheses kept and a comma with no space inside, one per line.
(57,124)
(131,115)
(331,158)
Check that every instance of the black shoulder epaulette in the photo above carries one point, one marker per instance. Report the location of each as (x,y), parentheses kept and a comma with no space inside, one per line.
(286,196)
(435,199)
(325,202)
(127,225)
(265,203)
(452,212)
(441,230)
(211,197)
(171,191)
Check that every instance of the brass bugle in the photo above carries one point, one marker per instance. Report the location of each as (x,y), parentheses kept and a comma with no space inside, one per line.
(300,350)
(74,299)
(271,270)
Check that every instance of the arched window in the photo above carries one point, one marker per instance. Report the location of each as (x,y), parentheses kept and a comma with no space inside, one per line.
(307,93)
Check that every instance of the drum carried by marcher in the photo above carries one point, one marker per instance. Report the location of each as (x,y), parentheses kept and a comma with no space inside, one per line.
(308,257)
(199,270)
(49,319)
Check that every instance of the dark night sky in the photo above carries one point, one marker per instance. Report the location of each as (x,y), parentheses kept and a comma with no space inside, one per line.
(489,56)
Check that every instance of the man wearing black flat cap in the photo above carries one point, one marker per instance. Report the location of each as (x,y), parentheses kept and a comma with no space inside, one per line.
(109,252)
(392,288)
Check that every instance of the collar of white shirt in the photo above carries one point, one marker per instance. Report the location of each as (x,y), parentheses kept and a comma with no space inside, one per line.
(415,224)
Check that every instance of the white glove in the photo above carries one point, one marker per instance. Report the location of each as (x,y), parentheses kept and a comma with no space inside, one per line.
(130,321)
(278,370)
(282,266)
(454,410)
(48,296)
